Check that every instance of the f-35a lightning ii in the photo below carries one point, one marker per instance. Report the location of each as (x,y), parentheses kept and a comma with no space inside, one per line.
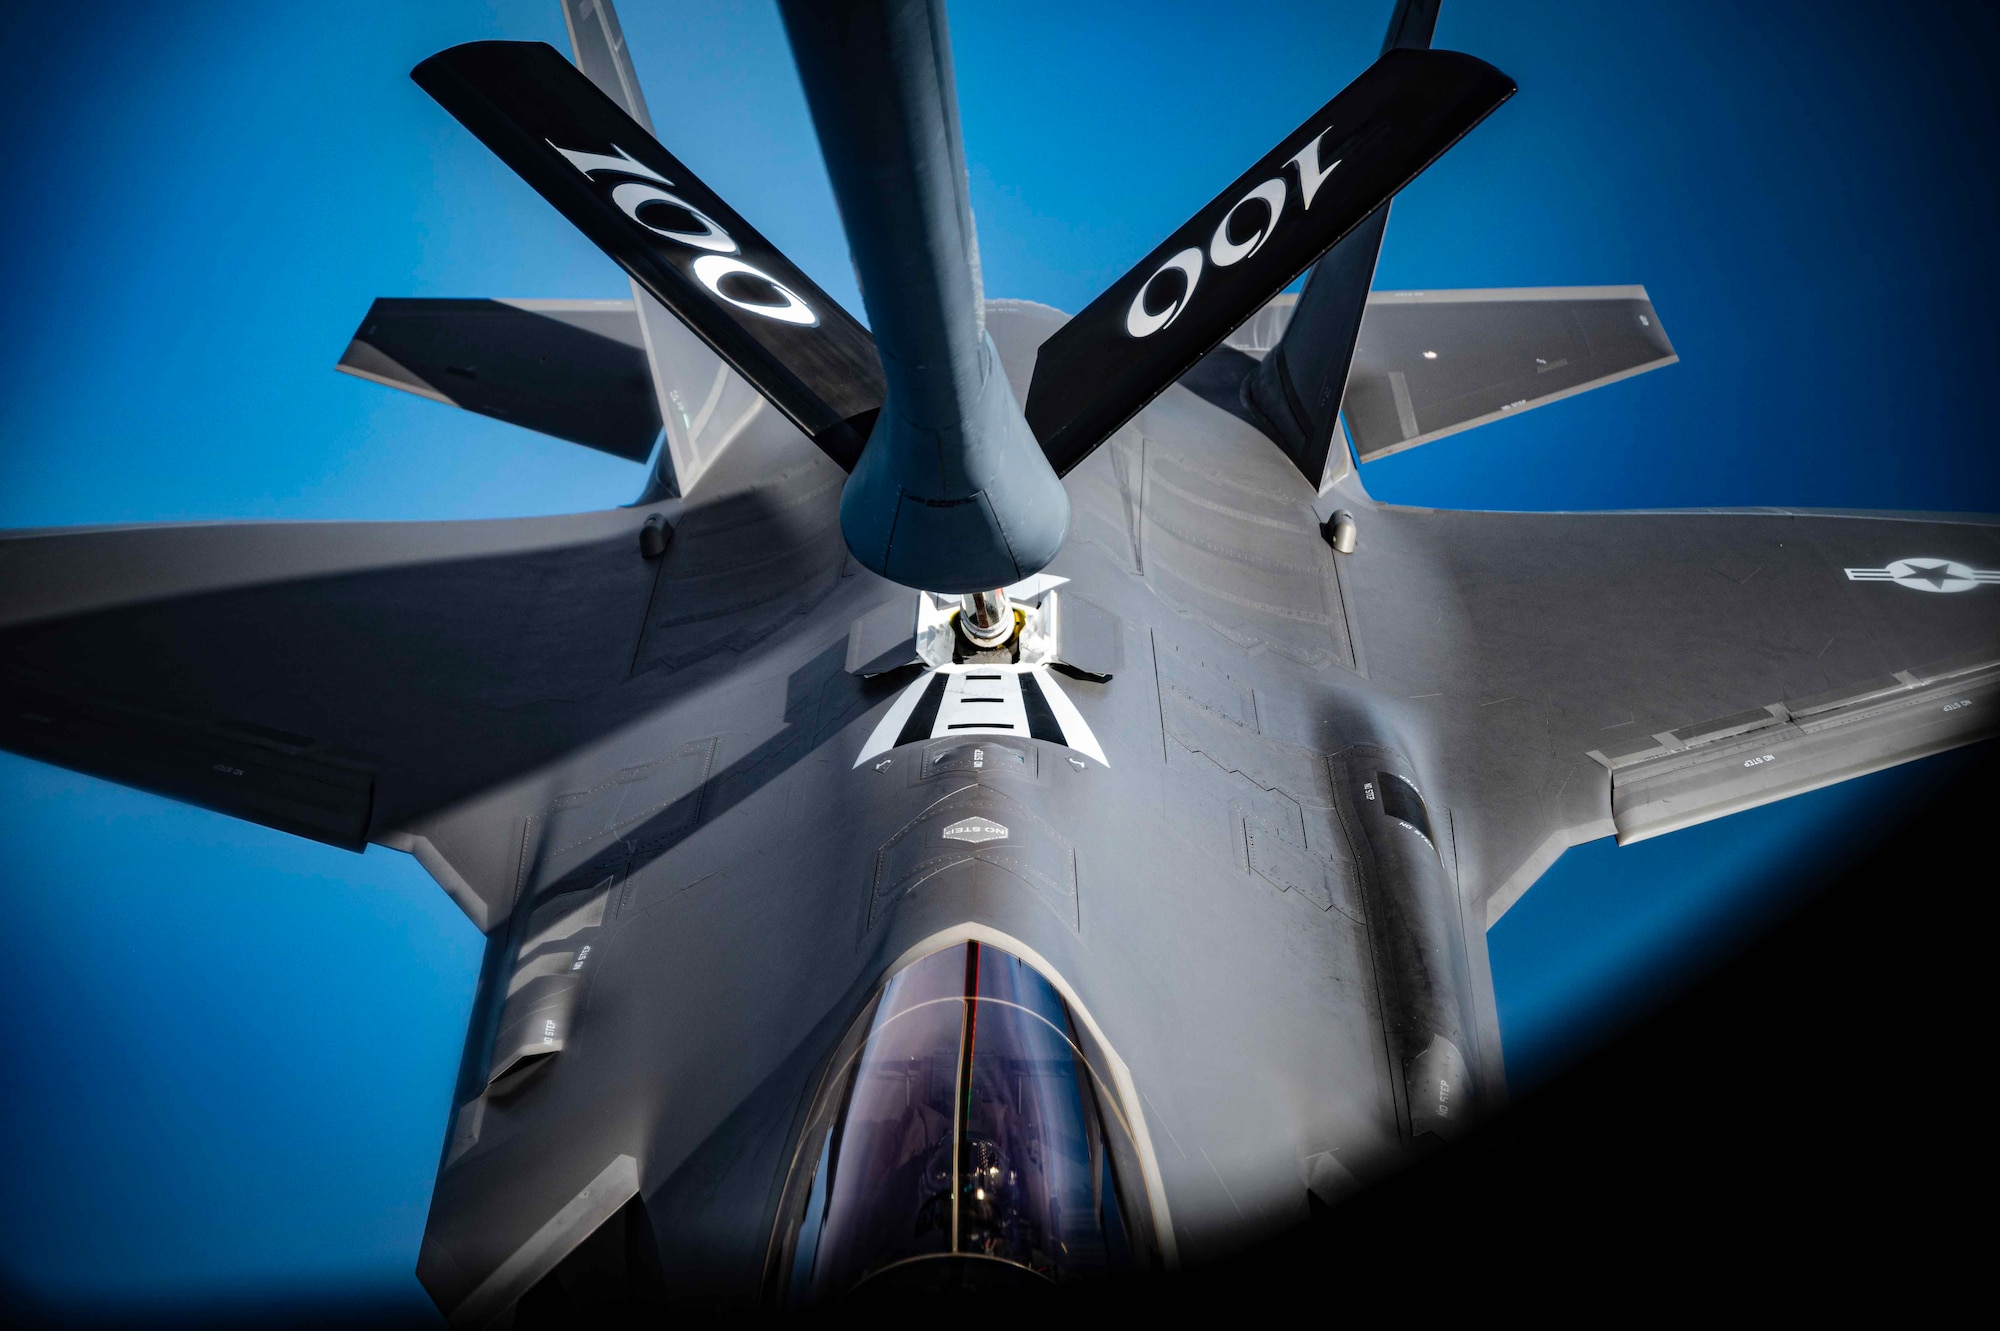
(1004,806)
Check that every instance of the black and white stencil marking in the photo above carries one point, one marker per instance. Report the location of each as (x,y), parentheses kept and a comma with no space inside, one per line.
(1023,701)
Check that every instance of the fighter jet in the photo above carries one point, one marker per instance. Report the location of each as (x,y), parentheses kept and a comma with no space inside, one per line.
(1004,809)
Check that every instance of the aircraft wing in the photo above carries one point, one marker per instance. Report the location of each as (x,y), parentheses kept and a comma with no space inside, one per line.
(1635,673)
(402,683)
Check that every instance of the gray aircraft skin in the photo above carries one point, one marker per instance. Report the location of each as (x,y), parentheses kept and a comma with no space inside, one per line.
(1219,831)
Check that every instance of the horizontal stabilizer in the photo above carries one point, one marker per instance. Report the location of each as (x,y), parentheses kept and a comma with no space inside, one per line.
(249,771)
(575,369)
(673,235)
(1294,394)
(1326,178)
(703,403)
(1432,363)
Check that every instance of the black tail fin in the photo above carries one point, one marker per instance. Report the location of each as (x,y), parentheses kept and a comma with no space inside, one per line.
(1315,187)
(1297,389)
(678,240)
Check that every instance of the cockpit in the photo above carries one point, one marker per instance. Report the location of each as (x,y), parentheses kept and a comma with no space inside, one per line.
(967,1134)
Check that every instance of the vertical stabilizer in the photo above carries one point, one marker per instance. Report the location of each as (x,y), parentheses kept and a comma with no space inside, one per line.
(1297,389)
(703,403)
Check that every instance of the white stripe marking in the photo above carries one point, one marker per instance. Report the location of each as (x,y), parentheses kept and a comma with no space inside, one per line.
(962,707)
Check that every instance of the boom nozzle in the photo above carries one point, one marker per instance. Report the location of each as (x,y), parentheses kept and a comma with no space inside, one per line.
(987,618)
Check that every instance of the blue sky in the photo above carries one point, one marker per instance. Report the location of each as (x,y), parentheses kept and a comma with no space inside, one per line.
(235,1049)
